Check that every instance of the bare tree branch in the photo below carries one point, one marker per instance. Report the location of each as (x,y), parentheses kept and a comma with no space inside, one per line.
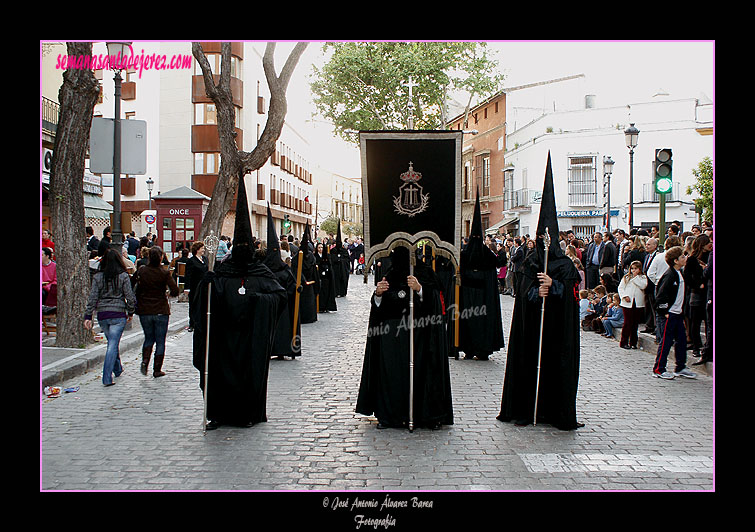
(234,161)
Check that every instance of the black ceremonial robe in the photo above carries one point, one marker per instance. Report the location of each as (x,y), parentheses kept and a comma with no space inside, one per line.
(310,284)
(480,321)
(286,342)
(384,387)
(559,368)
(340,263)
(327,283)
(242,329)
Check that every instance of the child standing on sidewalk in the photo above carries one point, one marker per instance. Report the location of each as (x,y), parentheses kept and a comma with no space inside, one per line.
(669,300)
(632,292)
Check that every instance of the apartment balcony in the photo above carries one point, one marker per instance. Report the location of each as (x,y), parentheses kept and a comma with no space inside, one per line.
(650,196)
(520,200)
(50,112)
(199,93)
(204,183)
(128,90)
(204,138)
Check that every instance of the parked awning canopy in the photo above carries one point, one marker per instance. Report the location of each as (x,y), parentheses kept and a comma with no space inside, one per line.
(96,207)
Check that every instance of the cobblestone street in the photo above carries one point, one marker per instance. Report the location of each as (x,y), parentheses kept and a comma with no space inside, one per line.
(640,433)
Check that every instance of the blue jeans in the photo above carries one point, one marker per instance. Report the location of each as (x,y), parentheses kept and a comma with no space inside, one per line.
(155,327)
(609,325)
(113,329)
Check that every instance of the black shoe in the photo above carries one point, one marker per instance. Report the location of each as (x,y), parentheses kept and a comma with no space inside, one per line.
(522,422)
(212,425)
(111,384)
(381,425)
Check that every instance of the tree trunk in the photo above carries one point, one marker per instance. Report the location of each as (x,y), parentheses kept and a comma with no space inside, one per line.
(234,161)
(77,96)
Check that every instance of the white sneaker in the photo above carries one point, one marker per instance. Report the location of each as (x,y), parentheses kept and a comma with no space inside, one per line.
(686,373)
(665,375)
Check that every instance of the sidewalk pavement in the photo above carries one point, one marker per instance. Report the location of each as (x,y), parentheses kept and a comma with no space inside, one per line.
(61,363)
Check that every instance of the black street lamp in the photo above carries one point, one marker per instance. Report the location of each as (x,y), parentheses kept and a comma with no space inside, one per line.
(117,52)
(631,135)
(607,171)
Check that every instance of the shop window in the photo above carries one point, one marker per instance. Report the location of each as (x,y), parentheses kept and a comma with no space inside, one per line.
(178,233)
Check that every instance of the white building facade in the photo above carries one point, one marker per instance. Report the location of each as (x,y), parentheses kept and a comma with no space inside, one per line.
(182,146)
(337,196)
(579,140)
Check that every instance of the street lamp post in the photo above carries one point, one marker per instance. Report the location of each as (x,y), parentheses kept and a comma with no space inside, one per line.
(150,185)
(631,136)
(607,171)
(116,51)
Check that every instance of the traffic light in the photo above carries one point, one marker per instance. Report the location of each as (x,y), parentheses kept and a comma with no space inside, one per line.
(663,174)
(286,224)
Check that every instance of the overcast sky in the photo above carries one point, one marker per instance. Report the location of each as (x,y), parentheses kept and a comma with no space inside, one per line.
(616,73)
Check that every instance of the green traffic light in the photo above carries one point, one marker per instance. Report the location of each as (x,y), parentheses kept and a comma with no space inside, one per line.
(663,185)
(663,178)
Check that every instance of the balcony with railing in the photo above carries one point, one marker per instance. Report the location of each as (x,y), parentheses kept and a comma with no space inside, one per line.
(520,200)
(50,112)
(649,195)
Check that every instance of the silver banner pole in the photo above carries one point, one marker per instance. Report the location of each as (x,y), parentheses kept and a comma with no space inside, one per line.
(547,238)
(211,243)
(411,349)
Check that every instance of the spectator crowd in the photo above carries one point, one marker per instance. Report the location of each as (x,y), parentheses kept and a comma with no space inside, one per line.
(639,281)
(621,276)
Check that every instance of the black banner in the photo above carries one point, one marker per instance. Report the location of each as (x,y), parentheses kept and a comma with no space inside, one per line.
(411,187)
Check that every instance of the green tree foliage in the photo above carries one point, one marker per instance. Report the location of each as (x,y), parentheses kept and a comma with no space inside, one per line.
(704,187)
(330,225)
(363,84)
(353,228)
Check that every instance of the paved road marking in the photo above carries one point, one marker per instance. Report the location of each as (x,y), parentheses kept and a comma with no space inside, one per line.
(566,463)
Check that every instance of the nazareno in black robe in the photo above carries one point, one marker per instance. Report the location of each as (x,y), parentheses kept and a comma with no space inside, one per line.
(480,321)
(242,328)
(327,284)
(286,342)
(340,263)
(310,282)
(384,386)
(559,367)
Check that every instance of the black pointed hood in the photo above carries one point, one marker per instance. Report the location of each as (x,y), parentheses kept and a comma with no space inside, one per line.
(560,266)
(306,241)
(339,251)
(242,231)
(548,217)
(273,242)
(476,230)
(273,258)
(476,254)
